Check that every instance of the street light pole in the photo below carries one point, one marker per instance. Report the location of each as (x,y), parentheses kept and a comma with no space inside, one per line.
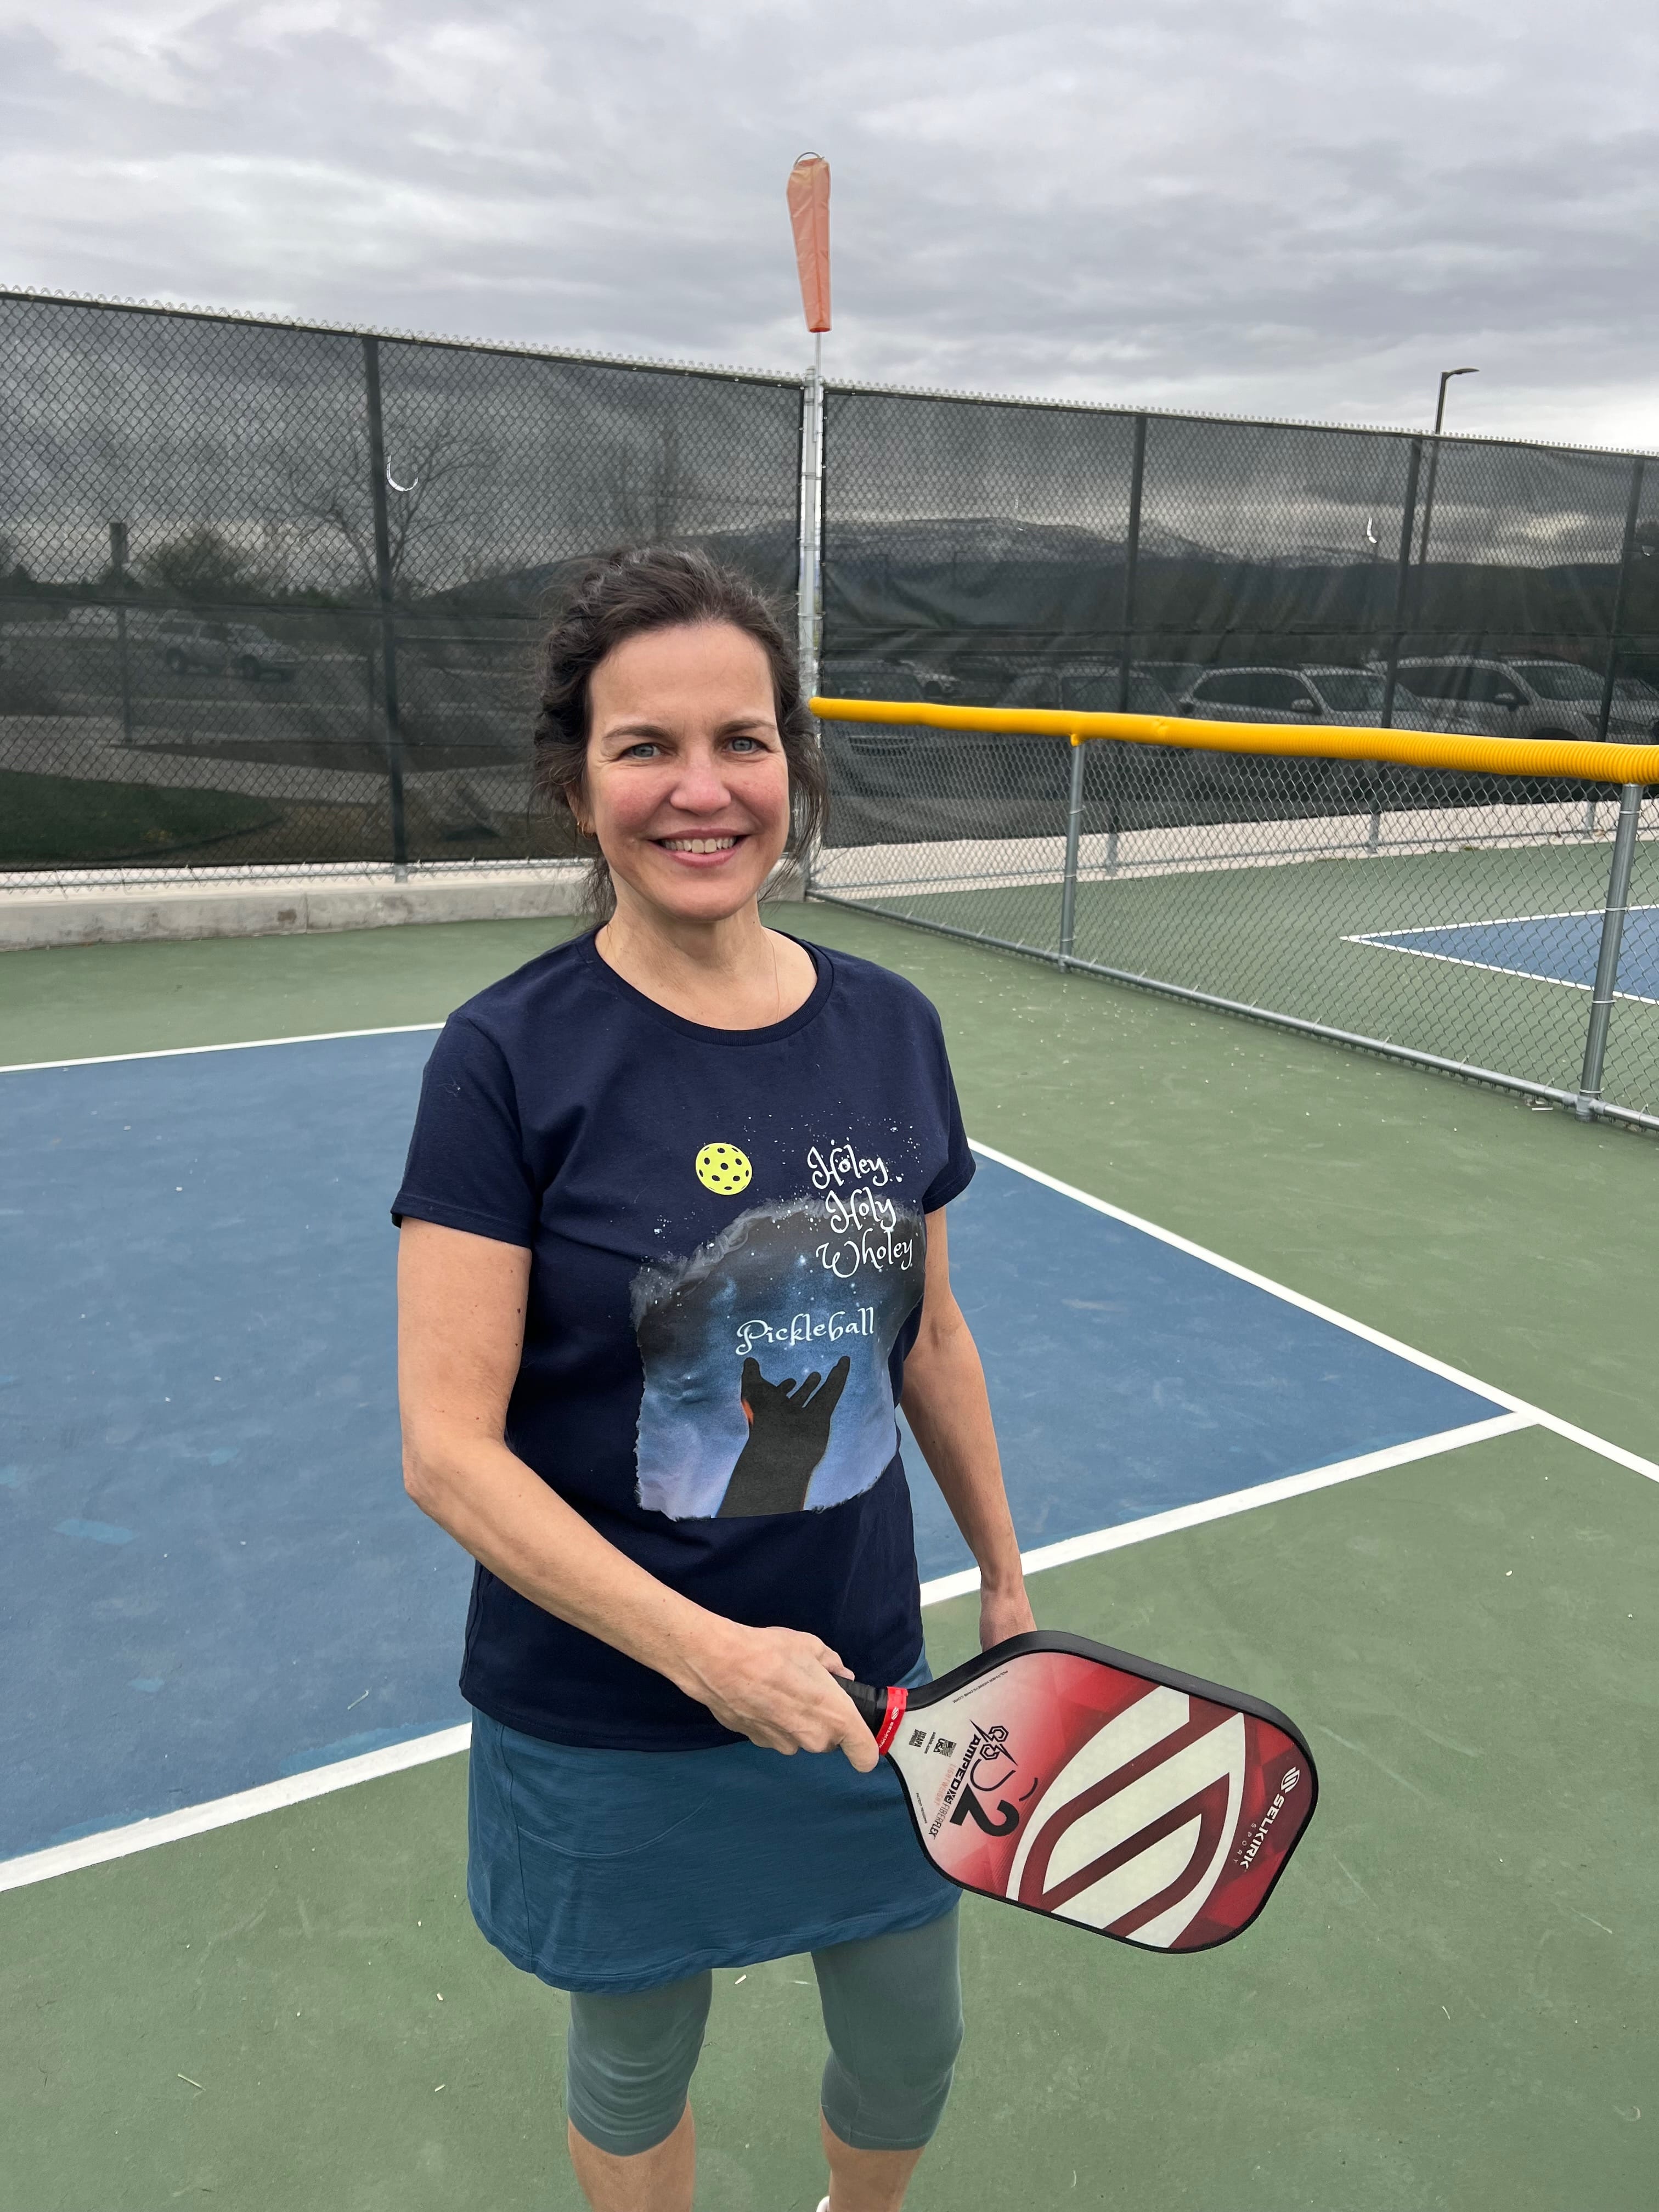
(1446,376)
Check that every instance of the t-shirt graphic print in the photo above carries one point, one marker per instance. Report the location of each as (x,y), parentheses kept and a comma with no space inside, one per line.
(766,1354)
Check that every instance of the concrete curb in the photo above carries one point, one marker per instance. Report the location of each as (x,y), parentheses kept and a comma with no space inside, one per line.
(280,906)
(292,906)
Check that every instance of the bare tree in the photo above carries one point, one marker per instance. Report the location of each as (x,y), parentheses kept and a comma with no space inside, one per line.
(329,486)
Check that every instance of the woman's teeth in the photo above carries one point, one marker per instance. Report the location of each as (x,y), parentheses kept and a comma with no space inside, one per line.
(698,844)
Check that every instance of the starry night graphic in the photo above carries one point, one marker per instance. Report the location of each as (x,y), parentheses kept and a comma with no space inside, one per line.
(767,1387)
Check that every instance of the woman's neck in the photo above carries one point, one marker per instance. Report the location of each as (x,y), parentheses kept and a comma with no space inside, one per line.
(729,974)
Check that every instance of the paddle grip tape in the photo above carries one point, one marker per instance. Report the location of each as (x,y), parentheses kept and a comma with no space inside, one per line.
(881,1710)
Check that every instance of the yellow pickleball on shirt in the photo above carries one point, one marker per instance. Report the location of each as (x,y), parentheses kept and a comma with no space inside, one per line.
(724,1169)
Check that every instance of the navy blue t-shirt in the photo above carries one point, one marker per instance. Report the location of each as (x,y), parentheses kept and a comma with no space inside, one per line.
(727,1243)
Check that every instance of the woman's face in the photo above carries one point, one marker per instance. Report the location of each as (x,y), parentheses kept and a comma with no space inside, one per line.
(686,787)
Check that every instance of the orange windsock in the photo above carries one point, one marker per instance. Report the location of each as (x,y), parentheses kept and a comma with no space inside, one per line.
(809,213)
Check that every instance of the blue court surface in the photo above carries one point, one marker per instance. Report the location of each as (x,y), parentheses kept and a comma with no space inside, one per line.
(1545,948)
(211,1577)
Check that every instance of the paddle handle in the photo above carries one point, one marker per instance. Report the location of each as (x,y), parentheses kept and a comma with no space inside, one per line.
(881,1710)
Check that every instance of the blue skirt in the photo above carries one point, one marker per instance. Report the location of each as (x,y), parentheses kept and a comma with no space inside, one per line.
(617,1870)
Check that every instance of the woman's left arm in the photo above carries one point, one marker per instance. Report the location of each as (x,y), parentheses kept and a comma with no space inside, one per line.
(946,1406)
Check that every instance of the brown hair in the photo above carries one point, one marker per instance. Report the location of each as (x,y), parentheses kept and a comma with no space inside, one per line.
(623,596)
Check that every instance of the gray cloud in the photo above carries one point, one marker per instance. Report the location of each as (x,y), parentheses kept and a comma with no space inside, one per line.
(1298,207)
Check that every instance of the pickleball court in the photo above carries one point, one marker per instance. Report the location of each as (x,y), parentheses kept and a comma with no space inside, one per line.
(1431,1543)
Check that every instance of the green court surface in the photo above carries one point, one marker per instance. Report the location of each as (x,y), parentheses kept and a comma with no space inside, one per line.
(1451,2001)
(1280,938)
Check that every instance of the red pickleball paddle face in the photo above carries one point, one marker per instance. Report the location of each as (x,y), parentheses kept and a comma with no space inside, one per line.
(1144,1805)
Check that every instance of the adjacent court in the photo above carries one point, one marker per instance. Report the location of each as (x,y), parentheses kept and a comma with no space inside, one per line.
(1545,948)
(1321,939)
(1430,1532)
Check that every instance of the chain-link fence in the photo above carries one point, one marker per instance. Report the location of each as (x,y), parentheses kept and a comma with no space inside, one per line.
(1454,917)
(1024,554)
(1020,554)
(270,594)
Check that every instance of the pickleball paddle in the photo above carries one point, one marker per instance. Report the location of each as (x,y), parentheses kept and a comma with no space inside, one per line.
(1059,1775)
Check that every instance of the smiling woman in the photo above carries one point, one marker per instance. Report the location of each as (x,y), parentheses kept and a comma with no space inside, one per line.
(673,1247)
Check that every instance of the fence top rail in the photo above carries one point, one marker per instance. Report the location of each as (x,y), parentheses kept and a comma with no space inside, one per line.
(1532,757)
(188,311)
(1070,403)
(184,311)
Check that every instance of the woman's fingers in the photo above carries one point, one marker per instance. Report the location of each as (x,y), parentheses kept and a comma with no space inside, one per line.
(781,1690)
(858,1743)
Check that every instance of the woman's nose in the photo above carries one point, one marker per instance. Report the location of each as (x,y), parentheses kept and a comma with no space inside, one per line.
(700,787)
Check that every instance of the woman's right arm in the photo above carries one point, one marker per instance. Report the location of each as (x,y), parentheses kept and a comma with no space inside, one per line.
(461,1335)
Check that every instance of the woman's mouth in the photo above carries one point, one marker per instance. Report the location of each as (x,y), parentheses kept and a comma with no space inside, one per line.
(725,843)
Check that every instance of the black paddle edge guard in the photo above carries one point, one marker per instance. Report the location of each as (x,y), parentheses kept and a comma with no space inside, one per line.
(873,1706)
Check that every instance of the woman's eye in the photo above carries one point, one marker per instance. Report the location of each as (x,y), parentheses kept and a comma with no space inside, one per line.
(746,744)
(646,749)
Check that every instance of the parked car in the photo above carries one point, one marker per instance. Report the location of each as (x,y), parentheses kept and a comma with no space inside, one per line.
(858,678)
(254,655)
(188,646)
(1533,697)
(1352,696)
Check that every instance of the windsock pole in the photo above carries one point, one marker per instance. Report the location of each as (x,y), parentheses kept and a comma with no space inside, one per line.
(809,589)
(809,216)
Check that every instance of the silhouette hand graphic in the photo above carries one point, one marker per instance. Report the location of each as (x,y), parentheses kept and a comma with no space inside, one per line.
(788,1435)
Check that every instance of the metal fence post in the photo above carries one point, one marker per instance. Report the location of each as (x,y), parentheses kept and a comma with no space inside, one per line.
(1073,835)
(1615,625)
(377,486)
(1402,583)
(118,563)
(1132,566)
(1126,657)
(1606,959)
(1611,677)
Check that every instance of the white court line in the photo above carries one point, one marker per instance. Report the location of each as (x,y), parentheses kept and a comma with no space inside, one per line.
(1388,940)
(224,1812)
(241,1044)
(1492,921)
(1233,1501)
(396,1757)
(1491,968)
(220,1812)
(1573,1433)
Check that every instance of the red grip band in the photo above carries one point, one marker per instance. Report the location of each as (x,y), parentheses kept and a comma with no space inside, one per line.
(897,1702)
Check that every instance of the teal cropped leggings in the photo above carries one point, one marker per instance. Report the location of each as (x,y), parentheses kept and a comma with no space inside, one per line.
(892,2009)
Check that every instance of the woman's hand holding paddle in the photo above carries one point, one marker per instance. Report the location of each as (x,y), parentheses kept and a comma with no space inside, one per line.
(780,1689)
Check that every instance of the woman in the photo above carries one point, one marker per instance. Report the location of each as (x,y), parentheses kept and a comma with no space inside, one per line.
(672,1238)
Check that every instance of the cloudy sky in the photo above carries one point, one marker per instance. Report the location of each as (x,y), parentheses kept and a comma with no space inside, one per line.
(1286,207)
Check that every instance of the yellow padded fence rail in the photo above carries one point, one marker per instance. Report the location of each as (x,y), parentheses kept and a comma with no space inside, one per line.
(1594,763)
